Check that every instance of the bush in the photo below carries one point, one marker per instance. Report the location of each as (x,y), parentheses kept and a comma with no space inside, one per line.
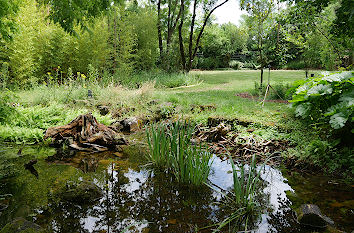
(6,109)
(278,91)
(328,98)
(236,65)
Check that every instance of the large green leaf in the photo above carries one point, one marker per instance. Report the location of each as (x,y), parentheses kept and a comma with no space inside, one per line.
(338,120)
(320,90)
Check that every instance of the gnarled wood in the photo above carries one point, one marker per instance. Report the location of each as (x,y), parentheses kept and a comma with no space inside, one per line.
(87,134)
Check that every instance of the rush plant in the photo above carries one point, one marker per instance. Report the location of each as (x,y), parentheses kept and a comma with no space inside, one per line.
(171,148)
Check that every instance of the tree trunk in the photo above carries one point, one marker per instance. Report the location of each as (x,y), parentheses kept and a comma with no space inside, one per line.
(261,77)
(191,58)
(159,34)
(180,38)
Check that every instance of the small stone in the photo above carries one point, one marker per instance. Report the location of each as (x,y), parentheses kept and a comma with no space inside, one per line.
(311,215)
(104,110)
(82,192)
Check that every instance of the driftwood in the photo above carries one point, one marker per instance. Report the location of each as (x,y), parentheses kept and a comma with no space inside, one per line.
(86,134)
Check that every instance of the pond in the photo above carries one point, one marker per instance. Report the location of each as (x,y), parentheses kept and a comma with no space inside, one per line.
(136,198)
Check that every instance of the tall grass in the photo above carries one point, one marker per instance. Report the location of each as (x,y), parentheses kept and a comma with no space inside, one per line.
(171,148)
(242,199)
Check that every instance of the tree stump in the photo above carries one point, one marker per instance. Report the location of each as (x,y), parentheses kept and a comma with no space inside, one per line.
(85,133)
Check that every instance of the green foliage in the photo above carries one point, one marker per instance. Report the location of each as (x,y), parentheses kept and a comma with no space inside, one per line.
(242,198)
(7,26)
(328,98)
(171,148)
(236,65)
(278,91)
(219,43)
(30,123)
(160,78)
(70,13)
(6,109)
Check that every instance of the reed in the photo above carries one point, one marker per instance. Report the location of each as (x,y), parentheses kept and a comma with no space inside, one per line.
(242,198)
(171,148)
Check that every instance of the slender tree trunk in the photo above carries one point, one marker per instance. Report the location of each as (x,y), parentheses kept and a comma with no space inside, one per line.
(159,34)
(190,47)
(180,38)
(191,58)
(115,42)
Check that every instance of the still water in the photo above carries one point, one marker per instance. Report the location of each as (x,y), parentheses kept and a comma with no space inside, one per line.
(137,199)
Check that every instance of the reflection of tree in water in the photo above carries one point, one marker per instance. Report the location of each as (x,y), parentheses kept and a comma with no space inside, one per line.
(284,219)
(133,197)
(154,199)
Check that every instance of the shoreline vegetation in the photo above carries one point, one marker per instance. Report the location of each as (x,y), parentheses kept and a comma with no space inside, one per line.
(34,110)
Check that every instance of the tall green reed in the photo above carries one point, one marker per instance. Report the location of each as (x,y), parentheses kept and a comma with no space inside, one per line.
(242,198)
(170,147)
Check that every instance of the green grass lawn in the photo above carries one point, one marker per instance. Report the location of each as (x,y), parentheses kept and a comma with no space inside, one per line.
(219,88)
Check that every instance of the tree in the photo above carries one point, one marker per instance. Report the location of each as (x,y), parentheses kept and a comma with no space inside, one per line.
(7,8)
(68,13)
(168,16)
(195,31)
(259,11)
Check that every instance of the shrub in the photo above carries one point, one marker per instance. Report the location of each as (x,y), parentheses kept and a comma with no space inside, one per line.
(328,98)
(6,109)
(278,91)
(236,65)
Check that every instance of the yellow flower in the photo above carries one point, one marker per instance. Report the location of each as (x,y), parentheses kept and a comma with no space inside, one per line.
(83,76)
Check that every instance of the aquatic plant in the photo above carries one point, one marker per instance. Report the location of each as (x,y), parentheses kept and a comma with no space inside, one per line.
(242,198)
(170,147)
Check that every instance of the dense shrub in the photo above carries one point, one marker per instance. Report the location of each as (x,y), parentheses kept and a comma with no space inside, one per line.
(6,109)
(328,98)
(278,91)
(236,65)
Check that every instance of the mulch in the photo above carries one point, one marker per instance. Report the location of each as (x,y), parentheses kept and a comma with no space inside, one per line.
(247,95)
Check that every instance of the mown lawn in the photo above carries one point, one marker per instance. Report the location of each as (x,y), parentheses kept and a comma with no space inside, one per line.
(219,88)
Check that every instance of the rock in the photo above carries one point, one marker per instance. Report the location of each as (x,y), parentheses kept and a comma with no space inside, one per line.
(131,124)
(310,215)
(82,193)
(23,226)
(104,110)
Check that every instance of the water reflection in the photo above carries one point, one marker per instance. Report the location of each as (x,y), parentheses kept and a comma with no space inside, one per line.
(137,198)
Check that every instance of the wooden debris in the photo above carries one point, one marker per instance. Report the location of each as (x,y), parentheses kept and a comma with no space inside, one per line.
(85,133)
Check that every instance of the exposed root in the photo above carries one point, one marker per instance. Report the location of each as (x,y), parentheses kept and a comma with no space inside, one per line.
(86,134)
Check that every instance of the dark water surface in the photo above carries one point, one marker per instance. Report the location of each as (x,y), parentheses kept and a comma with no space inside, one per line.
(137,199)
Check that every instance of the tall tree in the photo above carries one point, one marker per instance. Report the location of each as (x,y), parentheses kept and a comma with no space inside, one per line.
(168,16)
(7,8)
(259,11)
(195,31)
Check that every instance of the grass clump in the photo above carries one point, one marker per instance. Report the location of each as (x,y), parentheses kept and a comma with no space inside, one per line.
(242,198)
(171,148)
